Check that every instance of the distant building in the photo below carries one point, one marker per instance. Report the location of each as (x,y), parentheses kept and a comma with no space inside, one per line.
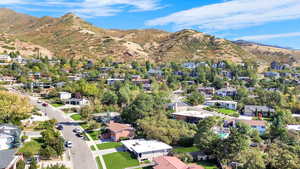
(114,80)
(117,131)
(252,110)
(77,101)
(156,72)
(146,149)
(5,58)
(208,91)
(278,66)
(65,95)
(9,136)
(259,125)
(9,159)
(168,162)
(226,92)
(193,116)
(222,103)
(272,74)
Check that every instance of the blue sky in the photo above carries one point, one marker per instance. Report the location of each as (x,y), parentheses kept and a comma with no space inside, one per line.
(275,22)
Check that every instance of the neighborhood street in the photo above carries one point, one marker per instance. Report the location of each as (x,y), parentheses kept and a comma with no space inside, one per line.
(81,155)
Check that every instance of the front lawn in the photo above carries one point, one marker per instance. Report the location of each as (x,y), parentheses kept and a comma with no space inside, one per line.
(57,104)
(30,148)
(109,145)
(93,148)
(99,163)
(228,112)
(76,117)
(185,149)
(120,160)
(93,134)
(207,164)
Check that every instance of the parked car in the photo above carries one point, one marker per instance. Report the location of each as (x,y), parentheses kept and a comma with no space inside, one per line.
(80,135)
(60,127)
(68,144)
(77,130)
(39,101)
(45,104)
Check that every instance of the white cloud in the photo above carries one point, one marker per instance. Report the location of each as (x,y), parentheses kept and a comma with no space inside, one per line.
(232,14)
(269,36)
(89,8)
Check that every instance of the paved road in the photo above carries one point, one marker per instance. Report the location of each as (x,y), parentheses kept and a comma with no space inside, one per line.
(81,155)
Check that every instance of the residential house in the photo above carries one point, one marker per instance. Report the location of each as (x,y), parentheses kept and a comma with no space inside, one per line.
(155,72)
(278,66)
(208,91)
(117,131)
(9,159)
(227,74)
(272,74)
(5,58)
(226,92)
(169,162)
(222,103)
(178,106)
(252,110)
(112,81)
(259,125)
(77,101)
(193,116)
(190,65)
(8,79)
(9,136)
(244,78)
(146,149)
(74,78)
(65,95)
(221,65)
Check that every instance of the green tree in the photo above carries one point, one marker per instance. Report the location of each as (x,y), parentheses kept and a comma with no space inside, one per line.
(195,98)
(251,159)
(109,98)
(21,164)
(33,164)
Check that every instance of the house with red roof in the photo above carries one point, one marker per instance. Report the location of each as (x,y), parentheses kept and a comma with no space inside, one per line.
(168,162)
(118,130)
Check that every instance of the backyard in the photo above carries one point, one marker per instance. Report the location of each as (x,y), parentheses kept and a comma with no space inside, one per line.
(228,112)
(93,134)
(208,164)
(120,160)
(185,149)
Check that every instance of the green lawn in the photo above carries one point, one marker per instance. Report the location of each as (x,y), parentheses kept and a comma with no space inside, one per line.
(119,160)
(94,135)
(99,163)
(30,148)
(76,117)
(109,145)
(57,104)
(228,112)
(93,148)
(207,164)
(185,149)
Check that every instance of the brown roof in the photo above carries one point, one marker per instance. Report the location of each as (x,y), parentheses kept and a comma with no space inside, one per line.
(115,127)
(168,162)
(254,122)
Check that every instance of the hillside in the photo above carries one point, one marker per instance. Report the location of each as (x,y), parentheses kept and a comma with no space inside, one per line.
(72,37)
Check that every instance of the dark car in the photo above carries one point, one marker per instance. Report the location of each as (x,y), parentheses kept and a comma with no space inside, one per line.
(45,104)
(60,127)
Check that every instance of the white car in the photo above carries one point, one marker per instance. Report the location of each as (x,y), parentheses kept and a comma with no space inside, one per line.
(77,130)
(39,101)
(68,144)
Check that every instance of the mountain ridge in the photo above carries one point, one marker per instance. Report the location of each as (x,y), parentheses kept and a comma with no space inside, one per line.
(72,37)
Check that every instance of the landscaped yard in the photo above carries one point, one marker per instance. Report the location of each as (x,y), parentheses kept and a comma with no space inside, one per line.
(185,149)
(228,112)
(57,104)
(76,117)
(119,160)
(109,145)
(99,163)
(93,148)
(94,135)
(207,164)
(30,148)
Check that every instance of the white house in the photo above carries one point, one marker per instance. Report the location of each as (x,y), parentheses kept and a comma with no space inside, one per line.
(113,80)
(146,149)
(222,103)
(65,95)
(75,101)
(5,58)
(226,92)
(9,135)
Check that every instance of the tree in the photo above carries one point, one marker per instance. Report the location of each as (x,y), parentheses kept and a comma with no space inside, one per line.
(251,159)
(85,112)
(47,152)
(21,164)
(109,98)
(33,164)
(56,166)
(195,98)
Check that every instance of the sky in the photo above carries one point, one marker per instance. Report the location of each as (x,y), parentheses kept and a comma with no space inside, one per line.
(273,22)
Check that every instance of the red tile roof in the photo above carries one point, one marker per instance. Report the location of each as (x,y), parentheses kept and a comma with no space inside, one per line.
(168,162)
(115,127)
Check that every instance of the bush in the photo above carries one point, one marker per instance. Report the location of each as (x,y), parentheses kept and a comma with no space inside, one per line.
(21,164)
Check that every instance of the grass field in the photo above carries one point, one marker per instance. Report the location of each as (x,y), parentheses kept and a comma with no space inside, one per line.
(94,135)
(185,149)
(207,164)
(99,163)
(30,148)
(119,160)
(228,112)
(93,148)
(56,104)
(109,145)
(76,117)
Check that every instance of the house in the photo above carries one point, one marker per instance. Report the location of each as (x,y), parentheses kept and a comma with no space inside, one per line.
(140,81)
(112,81)
(226,92)
(259,125)
(117,131)
(146,149)
(5,58)
(9,136)
(74,78)
(8,79)
(9,159)
(222,103)
(272,74)
(168,162)
(193,116)
(251,110)
(155,72)
(178,106)
(227,74)
(221,65)
(77,101)
(208,91)
(190,65)
(293,127)
(244,78)
(65,95)
(278,66)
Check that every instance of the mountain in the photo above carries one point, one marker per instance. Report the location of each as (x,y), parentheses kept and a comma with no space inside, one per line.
(72,37)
